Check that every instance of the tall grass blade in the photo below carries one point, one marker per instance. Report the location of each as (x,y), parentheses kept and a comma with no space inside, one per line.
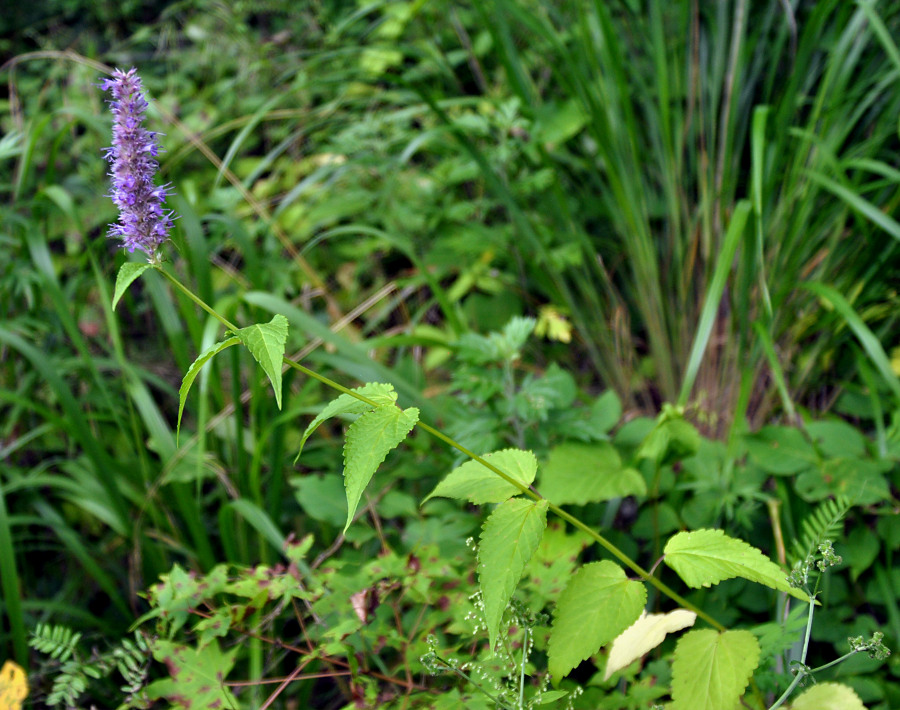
(713,297)
(863,333)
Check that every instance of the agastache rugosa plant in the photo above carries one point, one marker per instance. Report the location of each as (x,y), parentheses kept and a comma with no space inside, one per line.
(143,223)
(599,602)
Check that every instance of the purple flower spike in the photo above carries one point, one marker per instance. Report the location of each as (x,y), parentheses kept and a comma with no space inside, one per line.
(143,224)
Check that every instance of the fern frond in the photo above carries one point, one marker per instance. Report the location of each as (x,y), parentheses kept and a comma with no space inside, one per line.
(68,686)
(132,659)
(823,524)
(58,642)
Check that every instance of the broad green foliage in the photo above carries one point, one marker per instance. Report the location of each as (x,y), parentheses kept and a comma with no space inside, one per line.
(196,676)
(194,370)
(266,342)
(643,636)
(597,605)
(128,272)
(587,473)
(828,462)
(828,696)
(369,440)
(508,540)
(473,482)
(706,557)
(781,450)
(711,670)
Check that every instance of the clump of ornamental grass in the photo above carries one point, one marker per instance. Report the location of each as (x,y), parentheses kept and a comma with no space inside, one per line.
(143,223)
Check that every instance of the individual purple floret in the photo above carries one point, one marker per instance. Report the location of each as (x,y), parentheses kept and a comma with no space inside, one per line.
(143,224)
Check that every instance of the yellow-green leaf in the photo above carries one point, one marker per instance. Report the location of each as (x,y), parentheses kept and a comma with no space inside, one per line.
(508,540)
(369,440)
(711,670)
(828,696)
(706,557)
(598,604)
(266,343)
(473,482)
(381,394)
(588,473)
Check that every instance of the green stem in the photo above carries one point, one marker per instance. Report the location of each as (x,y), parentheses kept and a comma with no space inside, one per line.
(522,670)
(801,674)
(196,299)
(456,671)
(525,490)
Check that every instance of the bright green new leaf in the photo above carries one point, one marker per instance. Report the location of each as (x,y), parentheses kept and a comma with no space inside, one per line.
(588,473)
(266,342)
(369,440)
(126,276)
(196,676)
(828,696)
(672,439)
(382,394)
(643,636)
(473,482)
(706,557)
(194,370)
(598,604)
(508,540)
(711,670)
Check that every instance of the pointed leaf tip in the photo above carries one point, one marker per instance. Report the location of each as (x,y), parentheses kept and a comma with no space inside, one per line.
(706,557)
(128,272)
(508,540)
(266,342)
(369,440)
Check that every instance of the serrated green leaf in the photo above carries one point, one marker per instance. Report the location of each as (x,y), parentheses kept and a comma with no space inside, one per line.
(711,670)
(588,473)
(266,343)
(508,540)
(383,394)
(473,482)
(129,271)
(643,636)
(828,696)
(194,370)
(781,450)
(369,440)
(706,557)
(598,604)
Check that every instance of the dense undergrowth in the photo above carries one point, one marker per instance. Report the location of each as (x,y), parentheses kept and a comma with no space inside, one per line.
(653,244)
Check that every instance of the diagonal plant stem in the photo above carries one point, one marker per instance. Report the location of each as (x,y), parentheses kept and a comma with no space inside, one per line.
(525,490)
